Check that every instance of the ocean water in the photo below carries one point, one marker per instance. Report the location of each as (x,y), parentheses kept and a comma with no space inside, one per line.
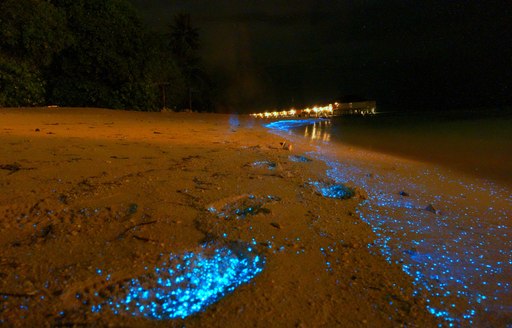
(445,218)
(477,142)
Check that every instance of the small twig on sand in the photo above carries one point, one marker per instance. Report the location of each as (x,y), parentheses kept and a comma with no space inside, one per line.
(18,294)
(187,193)
(71,324)
(123,234)
(13,168)
(144,239)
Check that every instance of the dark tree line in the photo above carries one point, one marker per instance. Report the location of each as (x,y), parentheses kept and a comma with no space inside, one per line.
(97,53)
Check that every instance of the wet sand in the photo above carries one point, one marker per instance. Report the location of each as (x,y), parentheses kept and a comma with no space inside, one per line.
(94,201)
(446,228)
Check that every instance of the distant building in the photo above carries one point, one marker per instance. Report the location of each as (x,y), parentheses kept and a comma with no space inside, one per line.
(356,107)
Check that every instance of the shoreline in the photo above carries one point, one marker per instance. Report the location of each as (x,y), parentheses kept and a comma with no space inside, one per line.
(447,230)
(98,193)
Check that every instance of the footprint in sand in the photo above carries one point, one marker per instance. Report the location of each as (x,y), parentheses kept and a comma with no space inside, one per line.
(334,190)
(182,285)
(240,206)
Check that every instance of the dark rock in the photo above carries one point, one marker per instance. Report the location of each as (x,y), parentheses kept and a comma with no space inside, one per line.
(132,209)
(275,225)
(63,199)
(430,208)
(45,231)
(285,145)
(403,193)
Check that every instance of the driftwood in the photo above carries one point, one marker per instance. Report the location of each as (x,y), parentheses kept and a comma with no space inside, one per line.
(127,230)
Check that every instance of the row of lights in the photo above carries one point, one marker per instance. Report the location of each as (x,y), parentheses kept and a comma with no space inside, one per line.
(317,111)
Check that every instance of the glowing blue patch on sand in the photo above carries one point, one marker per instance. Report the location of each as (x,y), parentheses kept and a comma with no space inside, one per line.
(338,190)
(459,255)
(264,164)
(287,125)
(299,159)
(234,122)
(242,206)
(185,284)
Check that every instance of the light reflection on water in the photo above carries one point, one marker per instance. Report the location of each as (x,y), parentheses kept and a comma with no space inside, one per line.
(458,250)
(318,131)
(314,129)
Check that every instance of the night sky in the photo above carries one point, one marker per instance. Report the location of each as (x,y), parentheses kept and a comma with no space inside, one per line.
(404,54)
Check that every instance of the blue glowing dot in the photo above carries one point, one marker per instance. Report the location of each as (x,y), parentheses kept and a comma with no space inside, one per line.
(187,284)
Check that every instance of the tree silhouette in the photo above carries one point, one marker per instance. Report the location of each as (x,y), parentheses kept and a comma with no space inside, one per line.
(32,33)
(106,65)
(97,53)
(184,43)
(184,39)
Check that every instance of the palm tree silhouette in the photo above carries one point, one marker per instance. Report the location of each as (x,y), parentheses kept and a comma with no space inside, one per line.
(184,39)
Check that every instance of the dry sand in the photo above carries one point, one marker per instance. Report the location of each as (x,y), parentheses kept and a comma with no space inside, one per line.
(89,189)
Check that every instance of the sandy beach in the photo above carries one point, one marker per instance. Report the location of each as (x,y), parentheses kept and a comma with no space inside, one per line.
(93,199)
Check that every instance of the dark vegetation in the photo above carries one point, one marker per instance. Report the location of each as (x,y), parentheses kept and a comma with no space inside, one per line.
(97,53)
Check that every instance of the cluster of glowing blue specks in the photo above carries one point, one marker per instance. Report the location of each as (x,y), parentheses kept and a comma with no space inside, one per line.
(299,159)
(264,164)
(241,207)
(460,255)
(336,190)
(185,284)
(288,125)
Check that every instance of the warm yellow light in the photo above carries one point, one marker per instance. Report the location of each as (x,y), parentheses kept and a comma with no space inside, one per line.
(319,111)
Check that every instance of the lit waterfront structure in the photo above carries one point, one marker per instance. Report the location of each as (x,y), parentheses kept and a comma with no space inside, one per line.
(334,109)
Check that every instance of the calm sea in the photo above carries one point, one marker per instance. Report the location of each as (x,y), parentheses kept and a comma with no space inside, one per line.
(478,142)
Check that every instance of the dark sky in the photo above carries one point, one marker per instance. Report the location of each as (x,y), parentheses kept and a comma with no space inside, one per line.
(404,54)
